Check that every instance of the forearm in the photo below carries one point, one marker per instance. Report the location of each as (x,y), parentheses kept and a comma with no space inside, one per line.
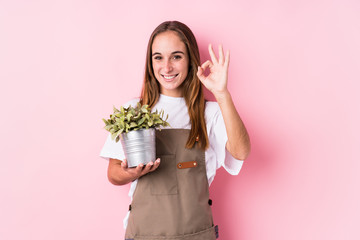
(238,139)
(120,174)
(116,173)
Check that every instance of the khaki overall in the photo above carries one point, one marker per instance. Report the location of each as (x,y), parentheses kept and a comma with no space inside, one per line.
(173,201)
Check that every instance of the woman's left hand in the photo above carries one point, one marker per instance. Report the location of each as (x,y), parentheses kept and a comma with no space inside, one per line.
(216,81)
(238,143)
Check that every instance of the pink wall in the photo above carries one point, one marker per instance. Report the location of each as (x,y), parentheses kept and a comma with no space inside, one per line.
(294,76)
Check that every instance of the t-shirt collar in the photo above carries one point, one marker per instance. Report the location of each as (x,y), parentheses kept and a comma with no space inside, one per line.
(171,99)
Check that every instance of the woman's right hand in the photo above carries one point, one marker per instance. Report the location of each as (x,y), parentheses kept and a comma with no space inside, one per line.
(119,173)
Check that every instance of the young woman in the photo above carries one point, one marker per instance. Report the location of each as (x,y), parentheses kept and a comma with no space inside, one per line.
(170,197)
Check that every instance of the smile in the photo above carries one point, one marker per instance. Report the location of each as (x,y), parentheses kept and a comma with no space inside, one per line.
(169,77)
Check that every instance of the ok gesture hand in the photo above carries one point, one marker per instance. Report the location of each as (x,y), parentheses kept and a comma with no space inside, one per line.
(216,81)
(238,143)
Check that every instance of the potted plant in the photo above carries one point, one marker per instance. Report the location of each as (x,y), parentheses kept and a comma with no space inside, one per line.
(135,127)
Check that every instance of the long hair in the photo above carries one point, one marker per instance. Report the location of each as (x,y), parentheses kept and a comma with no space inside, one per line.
(192,87)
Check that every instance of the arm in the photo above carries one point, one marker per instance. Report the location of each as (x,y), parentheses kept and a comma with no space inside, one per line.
(120,174)
(238,143)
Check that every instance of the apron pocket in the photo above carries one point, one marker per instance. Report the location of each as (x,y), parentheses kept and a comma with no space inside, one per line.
(163,181)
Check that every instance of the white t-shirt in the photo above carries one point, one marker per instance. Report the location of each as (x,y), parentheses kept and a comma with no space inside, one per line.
(216,155)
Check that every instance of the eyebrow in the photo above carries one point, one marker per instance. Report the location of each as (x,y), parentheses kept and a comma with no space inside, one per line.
(176,52)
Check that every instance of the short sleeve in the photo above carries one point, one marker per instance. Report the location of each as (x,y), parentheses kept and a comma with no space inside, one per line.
(218,139)
(111,148)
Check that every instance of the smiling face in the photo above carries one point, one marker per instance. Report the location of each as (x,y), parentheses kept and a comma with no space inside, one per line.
(170,62)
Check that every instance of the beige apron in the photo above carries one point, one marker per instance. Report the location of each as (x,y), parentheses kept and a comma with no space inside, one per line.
(173,201)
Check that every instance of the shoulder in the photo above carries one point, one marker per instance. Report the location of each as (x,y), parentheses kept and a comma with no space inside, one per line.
(131,102)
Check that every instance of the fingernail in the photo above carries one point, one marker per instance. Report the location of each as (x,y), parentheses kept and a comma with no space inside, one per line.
(151,163)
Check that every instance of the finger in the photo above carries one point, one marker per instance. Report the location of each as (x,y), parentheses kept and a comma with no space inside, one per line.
(221,54)
(200,71)
(227,58)
(200,74)
(156,165)
(212,54)
(147,168)
(139,169)
(206,64)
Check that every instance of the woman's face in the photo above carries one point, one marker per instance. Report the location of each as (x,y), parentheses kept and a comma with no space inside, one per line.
(170,62)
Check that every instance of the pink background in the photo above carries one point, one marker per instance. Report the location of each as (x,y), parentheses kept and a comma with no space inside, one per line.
(294,77)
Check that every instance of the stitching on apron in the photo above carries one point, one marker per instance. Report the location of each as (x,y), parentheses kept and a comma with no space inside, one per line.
(213,229)
(138,220)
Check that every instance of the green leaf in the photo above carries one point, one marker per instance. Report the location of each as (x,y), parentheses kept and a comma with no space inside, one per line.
(115,109)
(141,121)
(113,136)
(132,125)
(157,121)
(137,115)
(128,116)
(150,122)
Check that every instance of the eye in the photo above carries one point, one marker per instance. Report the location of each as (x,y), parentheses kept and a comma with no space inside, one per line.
(177,57)
(157,57)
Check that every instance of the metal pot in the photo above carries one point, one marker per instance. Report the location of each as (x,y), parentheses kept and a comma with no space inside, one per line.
(139,146)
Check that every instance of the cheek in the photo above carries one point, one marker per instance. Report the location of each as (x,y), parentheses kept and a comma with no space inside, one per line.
(155,68)
(185,68)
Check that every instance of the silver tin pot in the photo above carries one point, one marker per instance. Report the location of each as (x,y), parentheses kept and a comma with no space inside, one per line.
(139,146)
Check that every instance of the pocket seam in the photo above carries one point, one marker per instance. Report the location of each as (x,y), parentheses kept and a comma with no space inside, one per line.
(168,189)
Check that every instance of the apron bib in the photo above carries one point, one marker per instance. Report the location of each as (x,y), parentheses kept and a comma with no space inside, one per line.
(173,201)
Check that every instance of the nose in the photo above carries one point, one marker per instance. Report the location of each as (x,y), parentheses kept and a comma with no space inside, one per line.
(168,66)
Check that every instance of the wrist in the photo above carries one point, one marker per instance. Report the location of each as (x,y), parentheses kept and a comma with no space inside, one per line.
(133,177)
(222,96)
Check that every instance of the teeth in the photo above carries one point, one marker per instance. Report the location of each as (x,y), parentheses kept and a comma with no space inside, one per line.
(169,77)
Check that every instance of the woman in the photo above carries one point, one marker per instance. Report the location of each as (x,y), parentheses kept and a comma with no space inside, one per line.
(170,197)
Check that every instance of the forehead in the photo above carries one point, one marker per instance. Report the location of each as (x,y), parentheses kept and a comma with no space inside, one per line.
(168,42)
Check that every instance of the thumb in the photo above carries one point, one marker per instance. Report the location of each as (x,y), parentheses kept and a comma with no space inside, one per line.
(200,73)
